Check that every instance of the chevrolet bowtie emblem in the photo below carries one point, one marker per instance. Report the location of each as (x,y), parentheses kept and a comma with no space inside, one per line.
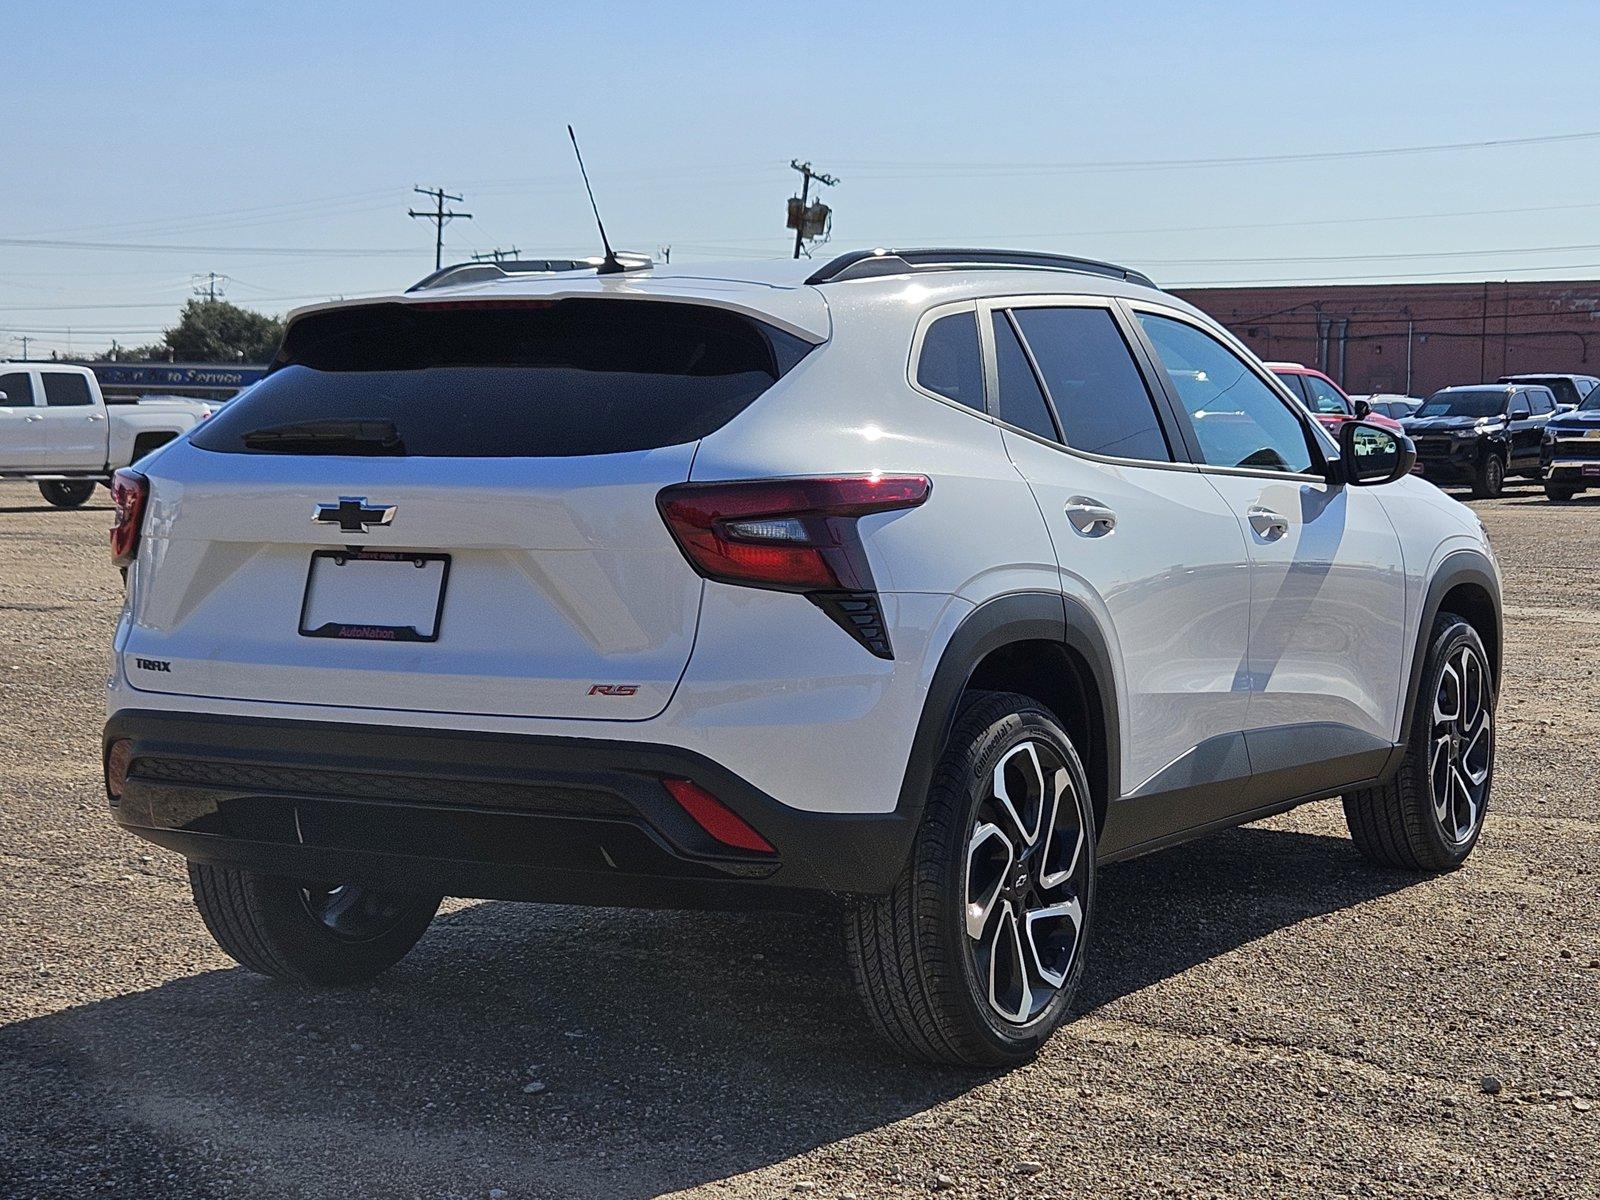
(353,514)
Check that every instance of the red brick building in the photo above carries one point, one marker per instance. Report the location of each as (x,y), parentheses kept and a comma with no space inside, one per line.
(1416,337)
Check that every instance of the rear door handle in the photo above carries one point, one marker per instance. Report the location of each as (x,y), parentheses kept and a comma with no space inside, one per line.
(1270,525)
(33,417)
(1090,517)
(97,417)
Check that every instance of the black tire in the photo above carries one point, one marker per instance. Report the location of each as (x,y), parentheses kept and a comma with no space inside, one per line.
(1560,493)
(283,928)
(1490,480)
(915,963)
(1399,824)
(67,493)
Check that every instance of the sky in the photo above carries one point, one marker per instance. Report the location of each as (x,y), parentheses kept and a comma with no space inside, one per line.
(277,145)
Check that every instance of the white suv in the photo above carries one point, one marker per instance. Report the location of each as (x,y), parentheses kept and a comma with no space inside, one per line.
(931,581)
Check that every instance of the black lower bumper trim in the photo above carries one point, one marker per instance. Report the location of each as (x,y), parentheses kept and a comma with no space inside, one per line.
(496,816)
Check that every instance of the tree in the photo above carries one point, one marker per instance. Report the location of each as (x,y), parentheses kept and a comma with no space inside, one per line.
(216,331)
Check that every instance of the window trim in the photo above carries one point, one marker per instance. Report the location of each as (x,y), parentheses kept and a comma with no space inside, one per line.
(1183,458)
(1318,440)
(985,354)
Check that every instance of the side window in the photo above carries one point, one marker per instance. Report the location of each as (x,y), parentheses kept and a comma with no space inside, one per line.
(1238,420)
(1096,389)
(1323,398)
(950,362)
(1022,403)
(66,389)
(18,389)
(1540,401)
(1296,385)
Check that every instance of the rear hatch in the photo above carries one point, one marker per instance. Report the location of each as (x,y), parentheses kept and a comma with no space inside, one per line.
(447,508)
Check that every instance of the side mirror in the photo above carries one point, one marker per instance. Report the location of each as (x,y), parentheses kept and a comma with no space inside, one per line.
(1520,412)
(1363,410)
(1370,454)
(4,397)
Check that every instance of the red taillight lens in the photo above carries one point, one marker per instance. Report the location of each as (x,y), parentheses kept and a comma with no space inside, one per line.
(129,490)
(118,758)
(790,534)
(715,817)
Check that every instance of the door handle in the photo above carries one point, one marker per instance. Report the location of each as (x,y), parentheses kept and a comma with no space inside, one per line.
(1268,524)
(33,417)
(1090,517)
(97,416)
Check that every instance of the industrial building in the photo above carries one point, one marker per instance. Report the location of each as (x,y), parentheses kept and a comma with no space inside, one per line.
(1415,338)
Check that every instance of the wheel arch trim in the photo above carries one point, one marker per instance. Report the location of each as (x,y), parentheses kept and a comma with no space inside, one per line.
(1016,617)
(1460,566)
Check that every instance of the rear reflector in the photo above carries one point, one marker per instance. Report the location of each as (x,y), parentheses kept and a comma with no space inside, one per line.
(129,491)
(118,757)
(716,818)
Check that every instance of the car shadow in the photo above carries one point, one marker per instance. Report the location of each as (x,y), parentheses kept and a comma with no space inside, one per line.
(6,509)
(720,1043)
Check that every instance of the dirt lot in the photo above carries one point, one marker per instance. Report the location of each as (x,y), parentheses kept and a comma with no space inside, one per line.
(1265,1014)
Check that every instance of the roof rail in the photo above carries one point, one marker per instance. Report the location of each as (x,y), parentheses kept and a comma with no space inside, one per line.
(865,264)
(505,268)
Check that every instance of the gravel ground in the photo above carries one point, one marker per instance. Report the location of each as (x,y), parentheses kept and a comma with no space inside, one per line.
(1265,1015)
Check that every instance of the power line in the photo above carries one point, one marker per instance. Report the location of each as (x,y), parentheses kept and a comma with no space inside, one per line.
(947,166)
(440,218)
(169,248)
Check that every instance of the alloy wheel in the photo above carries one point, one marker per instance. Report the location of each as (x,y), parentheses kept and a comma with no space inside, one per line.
(1462,744)
(1026,872)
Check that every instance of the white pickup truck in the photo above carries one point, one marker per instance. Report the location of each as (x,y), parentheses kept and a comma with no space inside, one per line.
(56,428)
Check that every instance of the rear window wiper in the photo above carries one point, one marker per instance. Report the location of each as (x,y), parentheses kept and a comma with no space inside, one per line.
(328,437)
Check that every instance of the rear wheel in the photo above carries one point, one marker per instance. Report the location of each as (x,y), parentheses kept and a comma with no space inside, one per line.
(1429,816)
(1491,477)
(975,955)
(1560,493)
(67,493)
(308,933)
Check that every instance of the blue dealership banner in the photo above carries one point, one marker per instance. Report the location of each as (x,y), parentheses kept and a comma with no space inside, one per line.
(175,375)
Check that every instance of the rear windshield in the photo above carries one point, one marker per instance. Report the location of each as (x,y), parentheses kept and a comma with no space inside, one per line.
(534,379)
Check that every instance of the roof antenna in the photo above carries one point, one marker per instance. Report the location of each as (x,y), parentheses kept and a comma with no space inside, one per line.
(612,264)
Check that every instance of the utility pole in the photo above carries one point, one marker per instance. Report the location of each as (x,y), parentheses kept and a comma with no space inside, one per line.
(496,255)
(665,252)
(440,216)
(24,339)
(206,285)
(808,220)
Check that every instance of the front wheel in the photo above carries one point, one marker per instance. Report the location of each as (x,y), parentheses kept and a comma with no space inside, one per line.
(1429,815)
(1490,479)
(1560,493)
(308,933)
(67,493)
(974,957)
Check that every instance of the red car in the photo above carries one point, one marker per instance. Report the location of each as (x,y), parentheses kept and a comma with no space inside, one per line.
(1325,398)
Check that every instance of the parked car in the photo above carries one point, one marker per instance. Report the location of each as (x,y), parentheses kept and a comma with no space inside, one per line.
(55,428)
(1325,399)
(766,583)
(1570,455)
(1383,404)
(1569,390)
(1478,434)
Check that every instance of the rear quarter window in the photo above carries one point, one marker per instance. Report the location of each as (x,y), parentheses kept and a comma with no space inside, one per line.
(522,380)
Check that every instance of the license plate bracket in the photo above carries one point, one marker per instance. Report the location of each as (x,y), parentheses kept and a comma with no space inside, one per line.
(374,595)
(1591,470)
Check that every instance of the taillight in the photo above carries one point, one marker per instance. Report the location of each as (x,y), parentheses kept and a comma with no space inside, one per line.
(793,535)
(129,490)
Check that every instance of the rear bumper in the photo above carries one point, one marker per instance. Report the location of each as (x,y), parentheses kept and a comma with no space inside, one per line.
(488,815)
